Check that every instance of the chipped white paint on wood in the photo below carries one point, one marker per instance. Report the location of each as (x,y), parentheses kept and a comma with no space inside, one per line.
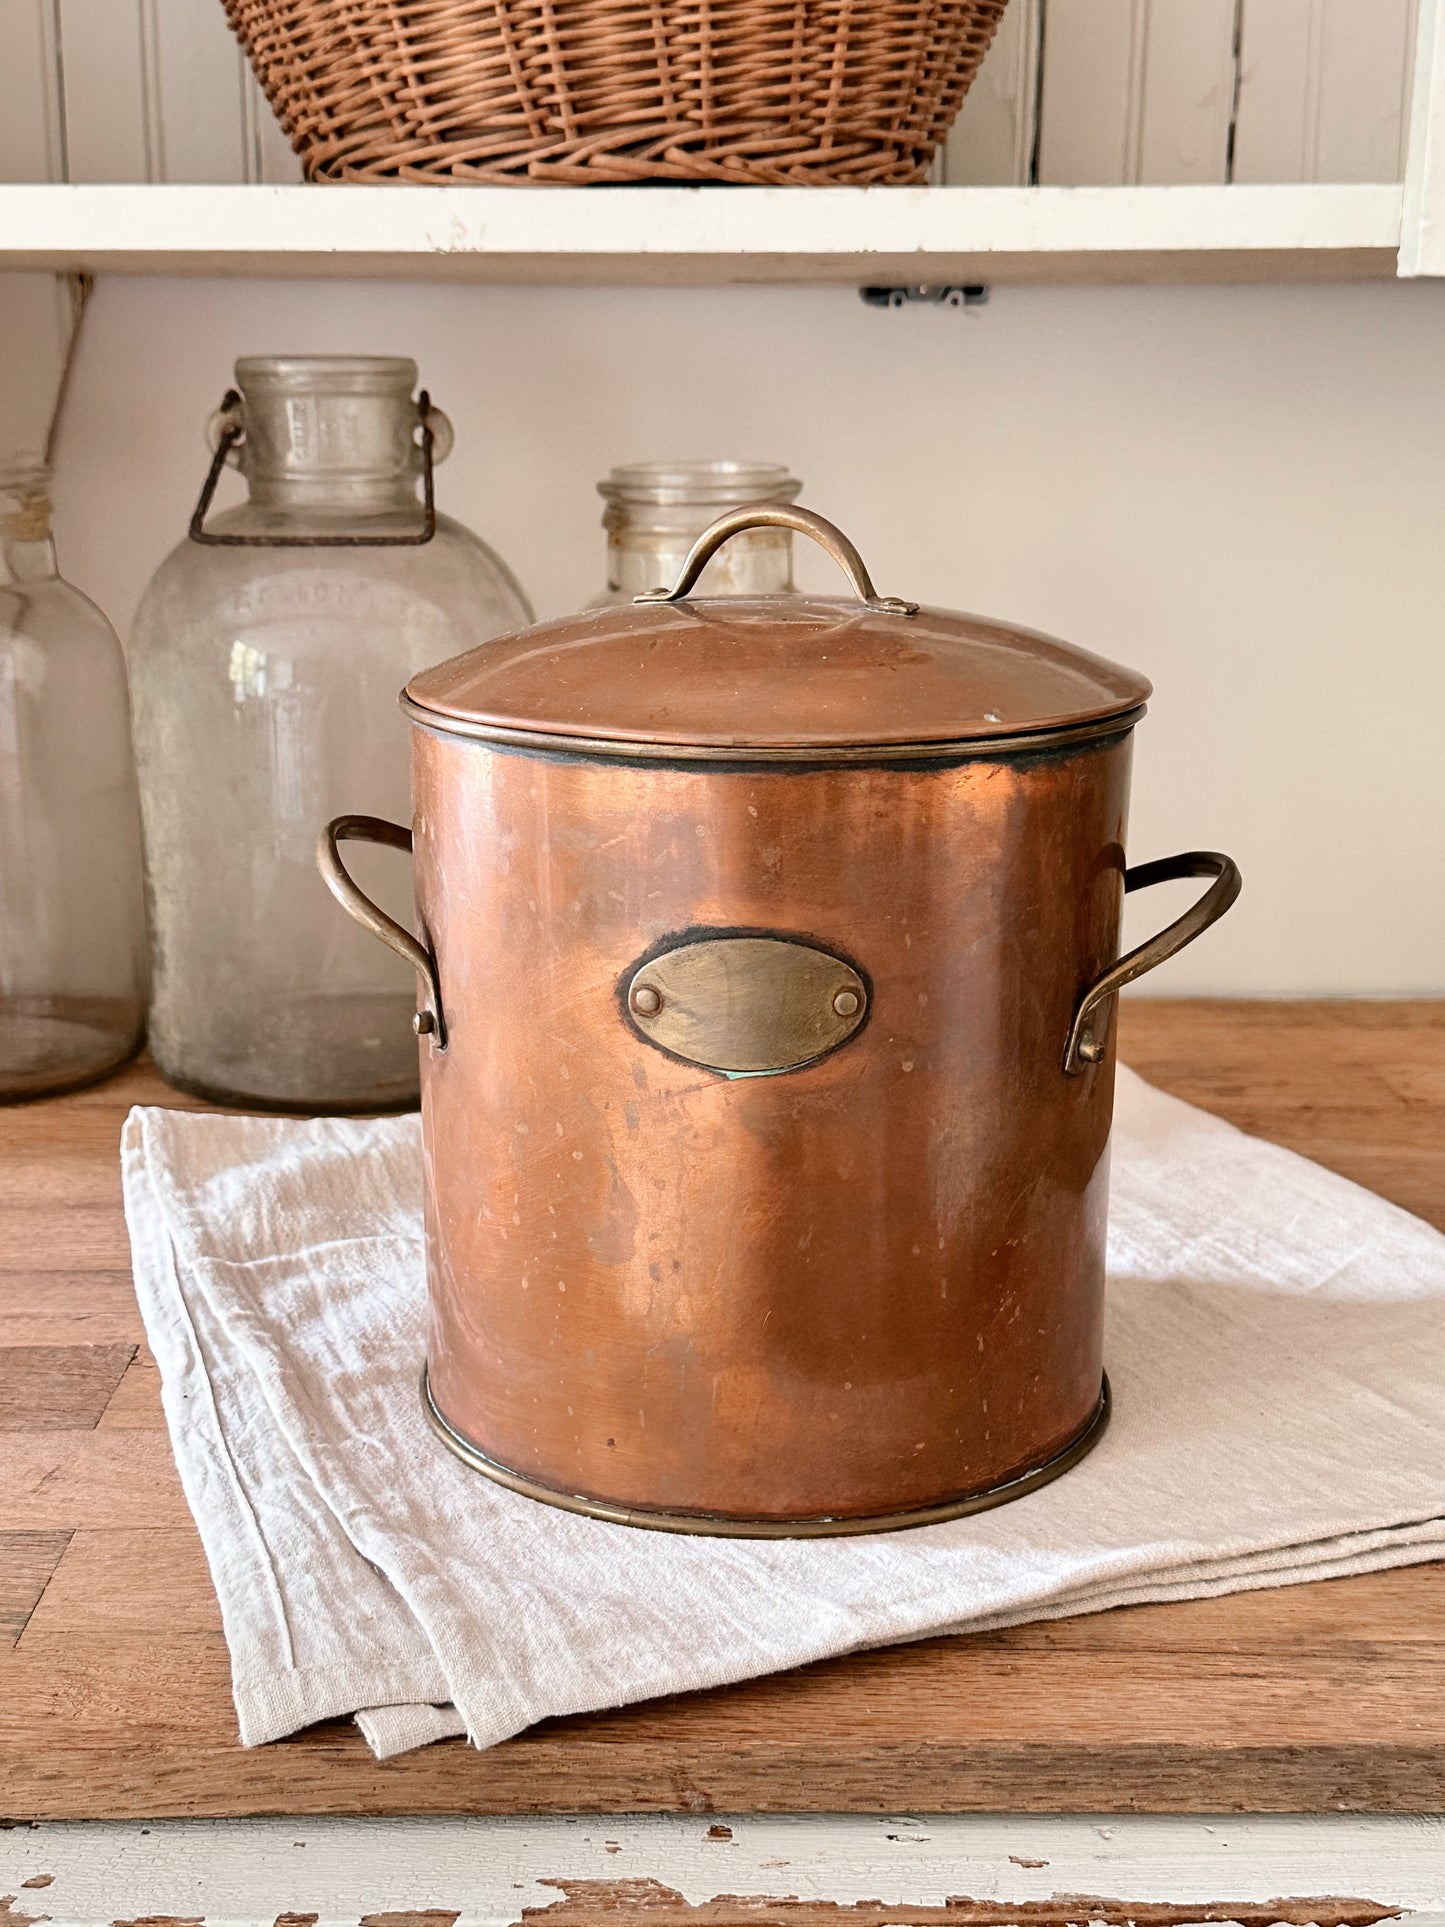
(489,1870)
(1136,91)
(705,236)
(32,146)
(1422,241)
(1324,89)
(992,141)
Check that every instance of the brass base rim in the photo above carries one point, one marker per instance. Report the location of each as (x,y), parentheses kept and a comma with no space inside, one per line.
(713,1525)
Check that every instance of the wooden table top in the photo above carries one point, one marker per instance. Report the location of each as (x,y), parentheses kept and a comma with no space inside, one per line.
(114,1684)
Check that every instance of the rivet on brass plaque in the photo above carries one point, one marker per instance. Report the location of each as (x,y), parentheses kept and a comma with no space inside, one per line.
(746,1005)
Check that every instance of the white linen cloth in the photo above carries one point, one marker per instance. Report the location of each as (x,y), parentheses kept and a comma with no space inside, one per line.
(1276,1344)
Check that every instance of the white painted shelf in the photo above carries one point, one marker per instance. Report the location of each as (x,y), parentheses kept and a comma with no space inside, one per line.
(711,235)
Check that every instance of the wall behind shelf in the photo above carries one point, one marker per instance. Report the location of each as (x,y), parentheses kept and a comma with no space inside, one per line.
(1072,91)
(1239,490)
(1117,92)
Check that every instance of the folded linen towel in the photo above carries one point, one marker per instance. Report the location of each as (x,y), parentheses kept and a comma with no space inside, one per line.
(1275,1342)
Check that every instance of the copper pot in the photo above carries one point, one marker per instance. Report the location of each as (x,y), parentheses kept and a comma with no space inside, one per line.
(767,977)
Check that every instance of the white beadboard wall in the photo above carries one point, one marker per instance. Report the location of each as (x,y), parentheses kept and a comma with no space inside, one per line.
(1118,92)
(1240,490)
(131,90)
(1324,90)
(1073,92)
(1122,92)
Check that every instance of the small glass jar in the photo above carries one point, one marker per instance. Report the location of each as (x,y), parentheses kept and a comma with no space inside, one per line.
(266,660)
(72,904)
(656,510)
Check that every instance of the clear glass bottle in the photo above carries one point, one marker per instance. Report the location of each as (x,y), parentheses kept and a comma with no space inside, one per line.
(656,510)
(265,678)
(72,905)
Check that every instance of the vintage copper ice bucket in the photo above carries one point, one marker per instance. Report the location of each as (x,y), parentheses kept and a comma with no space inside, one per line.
(767,981)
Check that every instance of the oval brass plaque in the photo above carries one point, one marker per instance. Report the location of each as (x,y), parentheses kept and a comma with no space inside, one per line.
(746,1005)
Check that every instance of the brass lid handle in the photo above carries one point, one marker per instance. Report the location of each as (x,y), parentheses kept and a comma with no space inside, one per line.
(780,515)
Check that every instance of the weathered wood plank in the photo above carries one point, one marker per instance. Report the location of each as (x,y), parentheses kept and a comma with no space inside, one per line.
(59,1388)
(153,1580)
(142,1774)
(150,1580)
(65,1237)
(135,1404)
(56,1481)
(68,1308)
(1359,1087)
(937,1696)
(27,1560)
(1037,1719)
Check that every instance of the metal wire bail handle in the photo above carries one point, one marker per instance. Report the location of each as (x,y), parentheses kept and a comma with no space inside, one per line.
(1086,1044)
(780,515)
(428,1021)
(230,432)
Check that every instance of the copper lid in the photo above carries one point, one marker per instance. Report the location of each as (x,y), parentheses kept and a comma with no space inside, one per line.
(773,675)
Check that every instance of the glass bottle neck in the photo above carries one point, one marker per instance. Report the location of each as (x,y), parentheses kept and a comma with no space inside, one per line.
(322,498)
(329,441)
(759,562)
(27,550)
(656,511)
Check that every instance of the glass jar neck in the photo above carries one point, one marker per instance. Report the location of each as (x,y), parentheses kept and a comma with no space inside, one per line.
(329,437)
(27,550)
(656,511)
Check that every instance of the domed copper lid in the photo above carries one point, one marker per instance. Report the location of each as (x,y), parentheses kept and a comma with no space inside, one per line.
(773,677)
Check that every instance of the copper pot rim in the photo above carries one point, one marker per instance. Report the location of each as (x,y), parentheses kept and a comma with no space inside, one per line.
(656,750)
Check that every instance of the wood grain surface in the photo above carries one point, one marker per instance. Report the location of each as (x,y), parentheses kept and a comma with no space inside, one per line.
(114,1684)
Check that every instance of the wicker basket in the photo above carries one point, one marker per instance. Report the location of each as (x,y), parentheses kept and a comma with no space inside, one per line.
(774,92)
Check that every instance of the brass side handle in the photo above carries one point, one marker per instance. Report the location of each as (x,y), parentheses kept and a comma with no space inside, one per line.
(1086,1043)
(780,515)
(428,1021)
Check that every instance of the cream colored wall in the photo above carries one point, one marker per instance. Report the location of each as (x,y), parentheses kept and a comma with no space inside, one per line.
(1241,491)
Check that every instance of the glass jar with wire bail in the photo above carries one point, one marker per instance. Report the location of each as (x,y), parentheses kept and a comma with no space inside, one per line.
(266,659)
(656,511)
(72,907)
